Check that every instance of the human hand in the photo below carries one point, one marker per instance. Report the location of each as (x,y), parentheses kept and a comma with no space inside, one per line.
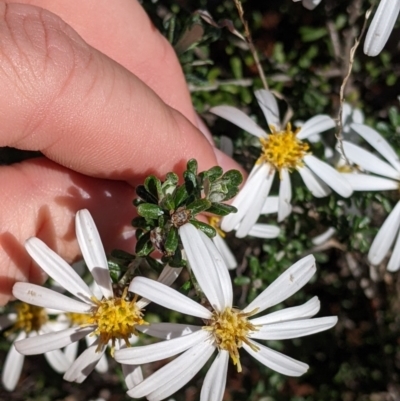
(100,93)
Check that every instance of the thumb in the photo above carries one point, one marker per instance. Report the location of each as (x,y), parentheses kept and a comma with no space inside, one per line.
(83,110)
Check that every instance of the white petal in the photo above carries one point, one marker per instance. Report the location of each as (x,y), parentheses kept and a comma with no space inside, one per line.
(329,175)
(270,205)
(314,184)
(269,107)
(167,297)
(285,285)
(307,310)
(84,364)
(358,116)
(385,237)
(133,375)
(276,361)
(264,231)
(226,253)
(365,182)
(244,200)
(167,276)
(316,125)
(215,381)
(325,236)
(208,266)
(167,331)
(12,367)
(240,119)
(57,268)
(160,350)
(71,351)
(368,161)
(346,116)
(46,298)
(170,378)
(285,196)
(182,376)
(381,26)
(50,341)
(58,360)
(224,279)
(93,251)
(378,142)
(102,365)
(262,186)
(310,4)
(294,329)
(394,261)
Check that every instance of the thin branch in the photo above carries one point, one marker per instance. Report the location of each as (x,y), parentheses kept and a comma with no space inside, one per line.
(249,41)
(339,121)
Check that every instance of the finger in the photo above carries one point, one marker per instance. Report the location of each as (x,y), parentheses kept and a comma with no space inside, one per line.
(223,160)
(83,110)
(42,200)
(122,30)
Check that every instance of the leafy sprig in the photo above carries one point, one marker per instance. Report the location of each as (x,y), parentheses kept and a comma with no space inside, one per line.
(164,206)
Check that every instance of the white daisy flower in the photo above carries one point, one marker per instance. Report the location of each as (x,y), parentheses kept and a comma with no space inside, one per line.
(28,321)
(387,178)
(310,4)
(112,319)
(381,26)
(225,328)
(283,151)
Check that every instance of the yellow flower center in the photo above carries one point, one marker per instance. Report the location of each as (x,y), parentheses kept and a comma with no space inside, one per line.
(282,149)
(230,329)
(215,222)
(116,319)
(29,318)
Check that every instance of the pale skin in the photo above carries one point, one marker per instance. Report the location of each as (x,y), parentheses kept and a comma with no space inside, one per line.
(98,90)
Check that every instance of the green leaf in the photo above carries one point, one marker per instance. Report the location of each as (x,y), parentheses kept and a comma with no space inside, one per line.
(181,195)
(191,181)
(149,211)
(115,270)
(206,228)
(242,280)
(198,206)
(214,173)
(192,166)
(236,66)
(142,193)
(140,222)
(172,179)
(221,209)
(186,286)
(310,34)
(176,260)
(144,246)
(122,255)
(233,177)
(153,185)
(231,193)
(171,243)
(168,202)
(154,264)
